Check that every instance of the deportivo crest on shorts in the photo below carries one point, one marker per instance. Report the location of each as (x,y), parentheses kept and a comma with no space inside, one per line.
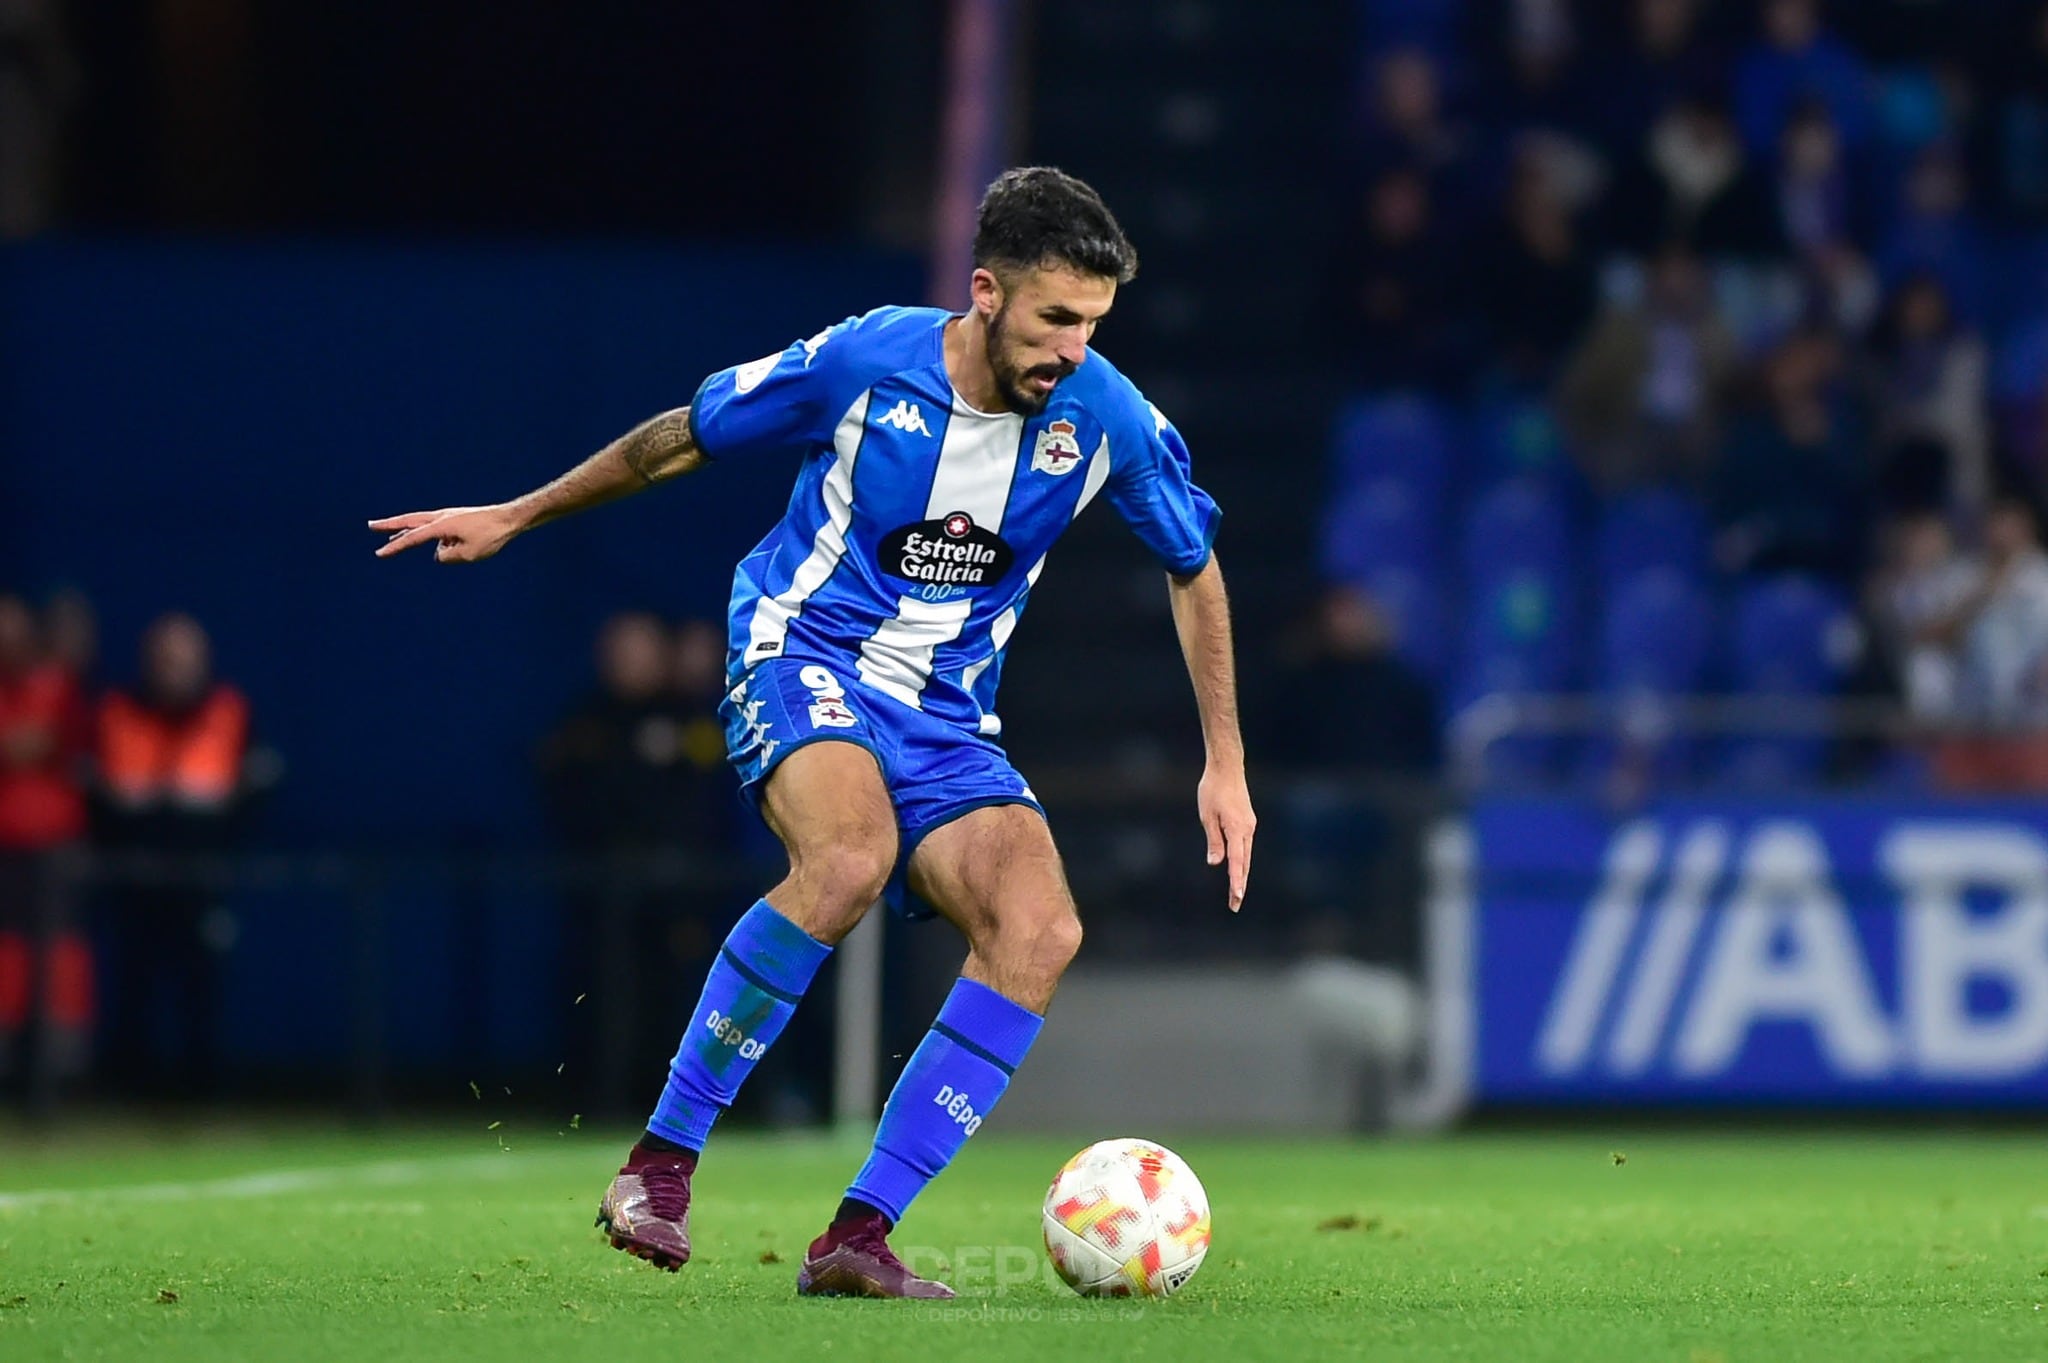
(1056,451)
(832,712)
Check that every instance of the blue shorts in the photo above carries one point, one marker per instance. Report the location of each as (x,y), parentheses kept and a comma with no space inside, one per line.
(934,771)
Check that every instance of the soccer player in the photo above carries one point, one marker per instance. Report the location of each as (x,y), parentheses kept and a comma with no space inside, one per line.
(942,456)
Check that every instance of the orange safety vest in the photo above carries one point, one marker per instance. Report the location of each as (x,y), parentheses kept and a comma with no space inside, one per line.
(194,757)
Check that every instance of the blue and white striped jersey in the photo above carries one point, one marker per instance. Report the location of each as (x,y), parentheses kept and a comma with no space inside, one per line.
(918,524)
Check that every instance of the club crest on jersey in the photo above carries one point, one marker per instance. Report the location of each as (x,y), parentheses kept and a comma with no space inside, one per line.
(1056,451)
(948,550)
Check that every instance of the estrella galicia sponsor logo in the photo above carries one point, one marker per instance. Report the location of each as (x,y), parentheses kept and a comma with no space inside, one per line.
(950,551)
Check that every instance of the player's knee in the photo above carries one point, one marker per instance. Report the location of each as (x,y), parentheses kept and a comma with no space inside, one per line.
(1045,943)
(848,873)
(1060,941)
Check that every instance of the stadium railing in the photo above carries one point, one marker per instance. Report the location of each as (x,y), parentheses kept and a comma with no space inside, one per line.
(1339,871)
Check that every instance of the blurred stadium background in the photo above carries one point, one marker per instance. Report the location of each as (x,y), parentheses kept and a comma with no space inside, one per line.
(1630,421)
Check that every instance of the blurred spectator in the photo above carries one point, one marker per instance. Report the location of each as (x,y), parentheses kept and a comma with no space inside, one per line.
(1406,312)
(1932,232)
(1662,59)
(635,772)
(1795,63)
(175,768)
(1792,488)
(1691,180)
(1406,126)
(1901,31)
(1343,843)
(614,769)
(2022,401)
(42,813)
(697,683)
(72,629)
(1391,725)
(1645,395)
(1920,583)
(2011,143)
(38,85)
(71,633)
(1816,202)
(1933,421)
(1821,214)
(1540,83)
(1539,282)
(1999,630)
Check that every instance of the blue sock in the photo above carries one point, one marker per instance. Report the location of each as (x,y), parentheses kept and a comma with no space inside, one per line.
(951,1083)
(762,970)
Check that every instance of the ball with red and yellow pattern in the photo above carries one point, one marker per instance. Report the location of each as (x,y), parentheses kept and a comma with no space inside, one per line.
(1126,1218)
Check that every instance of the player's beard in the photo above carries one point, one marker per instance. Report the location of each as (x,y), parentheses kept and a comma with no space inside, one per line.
(1010,376)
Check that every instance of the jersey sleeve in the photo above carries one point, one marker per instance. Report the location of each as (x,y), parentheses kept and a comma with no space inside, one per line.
(780,402)
(1152,487)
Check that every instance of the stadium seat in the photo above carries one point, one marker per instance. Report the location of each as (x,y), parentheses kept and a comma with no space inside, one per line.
(1655,633)
(1784,642)
(1431,23)
(2022,367)
(1382,524)
(1404,437)
(1414,605)
(1651,531)
(1516,436)
(1518,529)
(1520,639)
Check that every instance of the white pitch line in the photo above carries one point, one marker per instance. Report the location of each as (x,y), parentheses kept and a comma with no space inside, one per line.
(383,1174)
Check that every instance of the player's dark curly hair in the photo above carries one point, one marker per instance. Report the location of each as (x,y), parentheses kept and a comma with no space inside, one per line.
(1036,215)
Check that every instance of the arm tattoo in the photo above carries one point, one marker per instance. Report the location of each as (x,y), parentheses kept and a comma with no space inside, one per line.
(661,447)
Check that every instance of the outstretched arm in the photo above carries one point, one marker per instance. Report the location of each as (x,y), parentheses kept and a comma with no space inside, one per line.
(657,449)
(1201,615)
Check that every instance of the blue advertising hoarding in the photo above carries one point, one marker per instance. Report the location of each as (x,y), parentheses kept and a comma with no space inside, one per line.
(1838,952)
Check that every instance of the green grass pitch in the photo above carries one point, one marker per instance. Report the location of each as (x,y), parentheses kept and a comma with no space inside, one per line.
(1576,1247)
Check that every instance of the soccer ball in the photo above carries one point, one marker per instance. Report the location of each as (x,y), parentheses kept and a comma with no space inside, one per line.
(1126,1218)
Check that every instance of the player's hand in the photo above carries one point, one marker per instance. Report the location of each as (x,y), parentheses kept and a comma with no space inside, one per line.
(462,534)
(1225,804)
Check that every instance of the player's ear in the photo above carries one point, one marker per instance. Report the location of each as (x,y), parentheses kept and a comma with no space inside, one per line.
(986,291)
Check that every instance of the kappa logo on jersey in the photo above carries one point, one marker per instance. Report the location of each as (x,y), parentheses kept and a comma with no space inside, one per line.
(815,344)
(951,551)
(829,709)
(905,416)
(1056,451)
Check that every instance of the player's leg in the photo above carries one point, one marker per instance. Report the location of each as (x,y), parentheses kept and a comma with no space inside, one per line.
(820,787)
(996,876)
(994,873)
(827,804)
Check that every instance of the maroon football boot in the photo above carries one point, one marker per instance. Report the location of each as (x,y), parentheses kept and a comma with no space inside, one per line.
(646,1211)
(853,1259)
